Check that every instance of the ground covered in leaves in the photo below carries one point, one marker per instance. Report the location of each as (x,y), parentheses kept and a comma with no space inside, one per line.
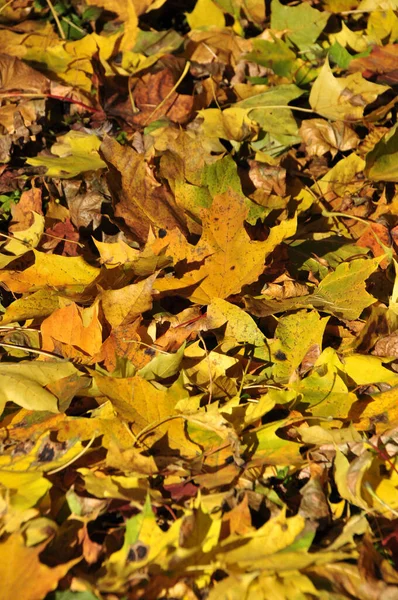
(199,305)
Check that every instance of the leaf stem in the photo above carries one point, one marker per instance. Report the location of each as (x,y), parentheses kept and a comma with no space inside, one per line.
(155,425)
(73,25)
(6,5)
(285,106)
(32,350)
(52,96)
(370,490)
(74,459)
(173,89)
(56,19)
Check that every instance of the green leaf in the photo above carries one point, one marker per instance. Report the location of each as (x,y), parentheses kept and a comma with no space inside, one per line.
(343,292)
(264,446)
(277,120)
(274,55)
(324,392)
(382,161)
(340,56)
(26,393)
(302,23)
(163,365)
(22,383)
(295,335)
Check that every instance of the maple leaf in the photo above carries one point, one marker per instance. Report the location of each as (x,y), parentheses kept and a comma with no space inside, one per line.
(23,574)
(231,258)
(199,304)
(140,200)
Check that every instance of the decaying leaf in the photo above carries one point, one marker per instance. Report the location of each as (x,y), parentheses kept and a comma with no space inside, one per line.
(321,137)
(140,200)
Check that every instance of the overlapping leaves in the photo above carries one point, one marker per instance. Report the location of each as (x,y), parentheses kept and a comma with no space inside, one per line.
(199,300)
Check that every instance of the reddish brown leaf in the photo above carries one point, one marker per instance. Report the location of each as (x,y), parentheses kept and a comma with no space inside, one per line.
(382,61)
(65,234)
(373,238)
(154,99)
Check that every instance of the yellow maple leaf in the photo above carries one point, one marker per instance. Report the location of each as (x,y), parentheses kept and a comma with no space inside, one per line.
(231,258)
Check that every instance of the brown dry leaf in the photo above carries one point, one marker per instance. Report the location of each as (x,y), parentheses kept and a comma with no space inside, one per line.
(220,46)
(381,61)
(140,200)
(62,233)
(183,326)
(314,505)
(387,346)
(17,75)
(20,122)
(155,98)
(350,581)
(84,203)
(270,180)
(320,137)
(22,213)
(91,550)
(310,358)
(285,288)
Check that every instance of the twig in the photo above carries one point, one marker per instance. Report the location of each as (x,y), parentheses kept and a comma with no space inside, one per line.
(13,238)
(327,213)
(245,371)
(285,106)
(146,345)
(131,97)
(61,239)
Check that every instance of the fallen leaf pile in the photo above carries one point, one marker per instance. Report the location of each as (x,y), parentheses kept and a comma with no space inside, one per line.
(199,300)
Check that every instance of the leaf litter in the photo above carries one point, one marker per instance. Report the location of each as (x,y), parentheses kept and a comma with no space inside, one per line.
(199,300)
